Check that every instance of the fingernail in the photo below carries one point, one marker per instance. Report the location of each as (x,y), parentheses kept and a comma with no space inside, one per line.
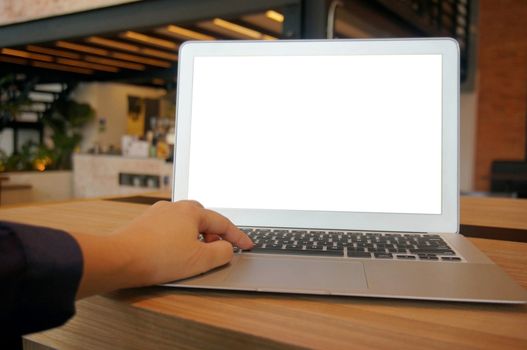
(247,242)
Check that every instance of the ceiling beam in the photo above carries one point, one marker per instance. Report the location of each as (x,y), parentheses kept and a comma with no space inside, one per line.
(142,14)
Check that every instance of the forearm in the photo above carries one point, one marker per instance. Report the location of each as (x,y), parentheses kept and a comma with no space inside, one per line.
(107,264)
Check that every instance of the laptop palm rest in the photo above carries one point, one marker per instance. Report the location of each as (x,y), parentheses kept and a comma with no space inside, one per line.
(290,274)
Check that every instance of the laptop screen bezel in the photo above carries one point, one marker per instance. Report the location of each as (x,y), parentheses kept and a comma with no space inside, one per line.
(447,221)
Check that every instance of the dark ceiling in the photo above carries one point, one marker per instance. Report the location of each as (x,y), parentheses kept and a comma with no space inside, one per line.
(138,42)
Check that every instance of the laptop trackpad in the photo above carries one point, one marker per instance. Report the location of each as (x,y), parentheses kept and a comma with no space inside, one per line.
(272,273)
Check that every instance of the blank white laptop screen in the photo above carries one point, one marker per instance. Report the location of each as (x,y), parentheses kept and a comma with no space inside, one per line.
(326,133)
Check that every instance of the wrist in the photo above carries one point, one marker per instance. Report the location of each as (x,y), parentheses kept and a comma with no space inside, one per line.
(106,265)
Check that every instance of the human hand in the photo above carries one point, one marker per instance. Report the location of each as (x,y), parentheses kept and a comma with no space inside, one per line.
(159,246)
(164,241)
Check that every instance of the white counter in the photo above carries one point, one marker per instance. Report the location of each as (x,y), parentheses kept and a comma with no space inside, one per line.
(100,175)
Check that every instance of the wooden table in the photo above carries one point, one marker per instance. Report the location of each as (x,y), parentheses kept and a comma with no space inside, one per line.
(498,218)
(163,318)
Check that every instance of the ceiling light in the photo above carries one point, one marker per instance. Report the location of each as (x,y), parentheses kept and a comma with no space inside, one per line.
(251,33)
(116,63)
(83,64)
(139,59)
(275,16)
(25,54)
(82,48)
(61,67)
(185,33)
(112,43)
(149,40)
(53,52)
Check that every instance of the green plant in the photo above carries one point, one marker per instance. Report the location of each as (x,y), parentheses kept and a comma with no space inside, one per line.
(30,157)
(14,94)
(23,160)
(66,118)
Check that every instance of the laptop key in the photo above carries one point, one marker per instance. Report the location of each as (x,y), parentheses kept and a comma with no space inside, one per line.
(433,251)
(262,230)
(428,257)
(280,231)
(377,250)
(383,255)
(266,250)
(450,258)
(359,250)
(335,248)
(296,252)
(274,246)
(355,254)
(322,252)
(406,257)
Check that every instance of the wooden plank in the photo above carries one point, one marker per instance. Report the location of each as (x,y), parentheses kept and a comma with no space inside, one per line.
(494,212)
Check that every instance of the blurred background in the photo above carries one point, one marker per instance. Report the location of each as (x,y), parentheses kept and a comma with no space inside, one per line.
(87,88)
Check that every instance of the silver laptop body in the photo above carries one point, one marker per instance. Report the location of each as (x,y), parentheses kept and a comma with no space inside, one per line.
(340,159)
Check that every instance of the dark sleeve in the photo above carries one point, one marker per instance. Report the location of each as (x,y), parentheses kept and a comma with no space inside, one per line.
(40,271)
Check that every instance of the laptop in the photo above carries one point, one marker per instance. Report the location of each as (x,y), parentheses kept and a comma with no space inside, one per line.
(340,159)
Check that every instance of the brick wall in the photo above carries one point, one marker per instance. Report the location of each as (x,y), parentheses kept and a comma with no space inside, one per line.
(502,70)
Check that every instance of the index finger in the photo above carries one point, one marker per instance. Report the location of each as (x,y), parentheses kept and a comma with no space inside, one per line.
(214,223)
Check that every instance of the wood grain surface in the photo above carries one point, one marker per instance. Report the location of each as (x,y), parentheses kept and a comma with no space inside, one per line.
(163,318)
(494,212)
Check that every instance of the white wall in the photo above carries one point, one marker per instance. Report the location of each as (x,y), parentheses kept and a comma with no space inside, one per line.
(98,175)
(110,101)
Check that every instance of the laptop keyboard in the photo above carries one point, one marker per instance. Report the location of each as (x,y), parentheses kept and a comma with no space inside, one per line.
(366,245)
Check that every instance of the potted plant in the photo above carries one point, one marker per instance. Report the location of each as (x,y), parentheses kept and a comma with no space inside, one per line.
(66,118)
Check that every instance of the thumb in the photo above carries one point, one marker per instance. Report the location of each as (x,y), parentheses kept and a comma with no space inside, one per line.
(213,254)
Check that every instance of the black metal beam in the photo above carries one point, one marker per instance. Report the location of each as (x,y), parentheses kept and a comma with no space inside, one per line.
(314,19)
(375,20)
(292,25)
(24,125)
(404,11)
(142,14)
(133,77)
(53,76)
(46,75)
